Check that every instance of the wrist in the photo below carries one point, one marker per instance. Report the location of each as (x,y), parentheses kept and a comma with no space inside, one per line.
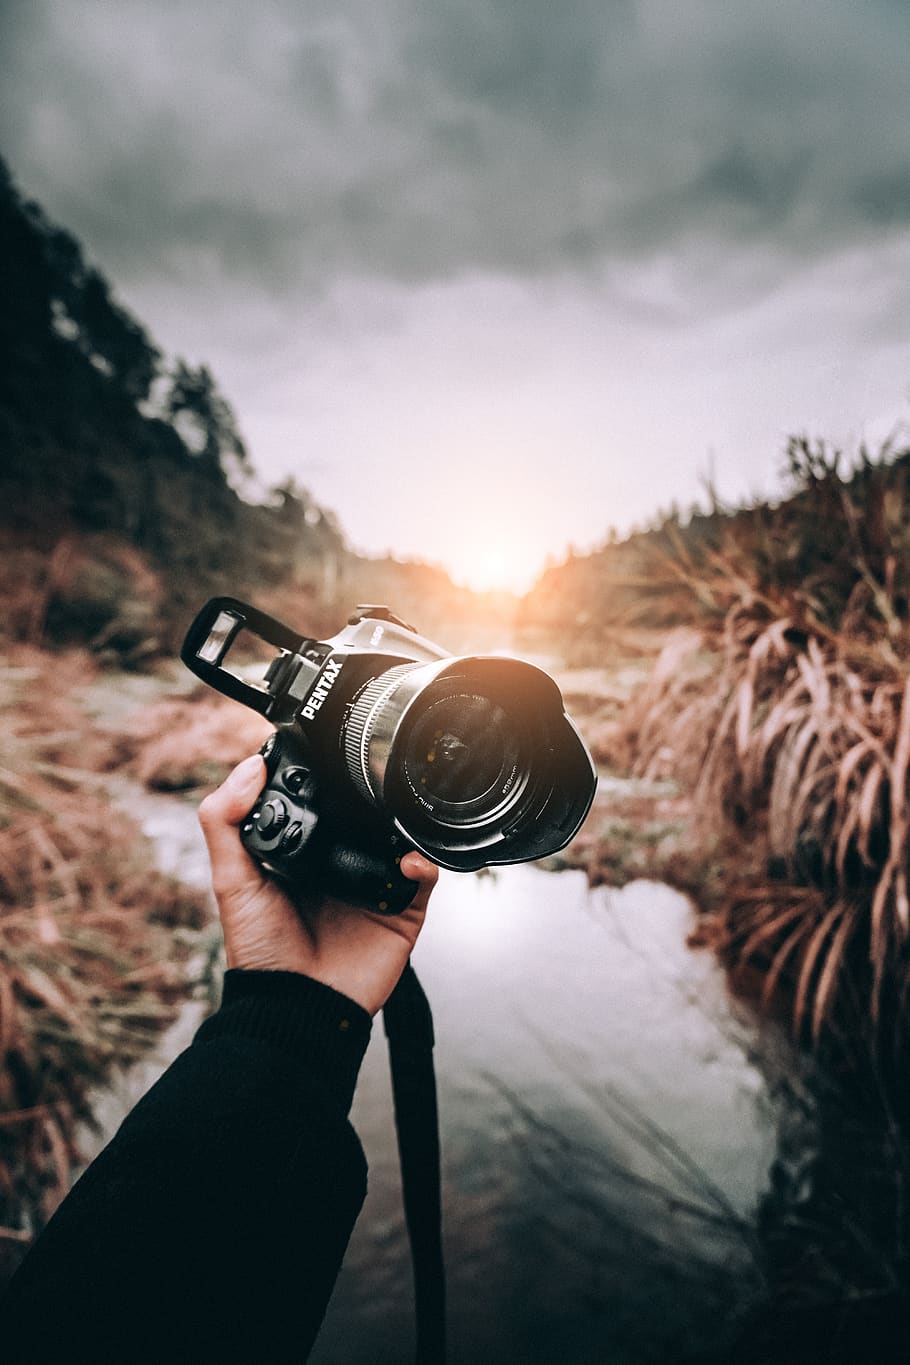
(326,1031)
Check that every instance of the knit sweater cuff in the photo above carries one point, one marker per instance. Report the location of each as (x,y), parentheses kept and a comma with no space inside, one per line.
(324,1030)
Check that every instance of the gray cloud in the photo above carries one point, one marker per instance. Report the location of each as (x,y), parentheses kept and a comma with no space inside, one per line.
(289,145)
(554,252)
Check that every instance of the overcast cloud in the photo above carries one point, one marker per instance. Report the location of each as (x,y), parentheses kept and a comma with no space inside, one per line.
(484,255)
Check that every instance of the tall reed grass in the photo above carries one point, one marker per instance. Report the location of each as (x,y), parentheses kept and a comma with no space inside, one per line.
(781,704)
(784,704)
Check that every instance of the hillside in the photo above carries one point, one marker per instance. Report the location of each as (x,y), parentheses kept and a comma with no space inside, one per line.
(834,549)
(119,469)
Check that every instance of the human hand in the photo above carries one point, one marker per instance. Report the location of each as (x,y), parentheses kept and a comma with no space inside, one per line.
(357,952)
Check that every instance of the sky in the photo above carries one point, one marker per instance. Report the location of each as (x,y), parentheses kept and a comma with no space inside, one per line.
(492,278)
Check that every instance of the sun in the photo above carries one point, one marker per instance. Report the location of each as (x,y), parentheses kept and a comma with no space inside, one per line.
(493,565)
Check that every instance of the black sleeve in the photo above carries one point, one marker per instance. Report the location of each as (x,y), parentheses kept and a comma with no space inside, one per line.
(212,1226)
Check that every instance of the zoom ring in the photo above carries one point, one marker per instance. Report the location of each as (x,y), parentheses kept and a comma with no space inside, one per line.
(361,722)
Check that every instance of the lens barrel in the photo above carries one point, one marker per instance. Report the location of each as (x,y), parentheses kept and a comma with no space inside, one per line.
(372,712)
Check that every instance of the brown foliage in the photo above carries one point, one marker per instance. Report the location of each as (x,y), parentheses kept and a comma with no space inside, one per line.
(785,707)
(93,590)
(93,942)
(179,744)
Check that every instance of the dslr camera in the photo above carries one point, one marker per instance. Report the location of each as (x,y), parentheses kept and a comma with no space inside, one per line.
(384,743)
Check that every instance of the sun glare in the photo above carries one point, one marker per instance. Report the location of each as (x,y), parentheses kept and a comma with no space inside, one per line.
(496,567)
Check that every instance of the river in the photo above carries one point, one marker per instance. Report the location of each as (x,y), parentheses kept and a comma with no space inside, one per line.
(606,1130)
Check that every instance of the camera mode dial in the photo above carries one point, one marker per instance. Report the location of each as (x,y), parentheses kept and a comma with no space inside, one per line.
(273,816)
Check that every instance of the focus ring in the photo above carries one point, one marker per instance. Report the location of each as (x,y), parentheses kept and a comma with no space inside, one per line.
(361,722)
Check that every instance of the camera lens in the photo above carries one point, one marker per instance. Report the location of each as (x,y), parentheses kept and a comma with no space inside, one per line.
(462,755)
(473,758)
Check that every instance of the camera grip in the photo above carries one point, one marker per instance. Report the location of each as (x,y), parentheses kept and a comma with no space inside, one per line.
(370,876)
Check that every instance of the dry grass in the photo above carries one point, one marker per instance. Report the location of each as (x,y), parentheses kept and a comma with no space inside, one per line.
(179,744)
(785,709)
(794,757)
(90,589)
(93,942)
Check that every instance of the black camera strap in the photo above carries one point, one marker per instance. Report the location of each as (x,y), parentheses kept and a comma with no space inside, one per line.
(409,1029)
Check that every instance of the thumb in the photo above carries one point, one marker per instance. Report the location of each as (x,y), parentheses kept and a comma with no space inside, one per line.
(220,814)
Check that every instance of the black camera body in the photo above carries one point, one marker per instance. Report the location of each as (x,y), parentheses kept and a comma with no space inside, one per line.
(385,743)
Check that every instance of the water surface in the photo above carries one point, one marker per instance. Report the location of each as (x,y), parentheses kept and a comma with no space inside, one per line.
(606,1131)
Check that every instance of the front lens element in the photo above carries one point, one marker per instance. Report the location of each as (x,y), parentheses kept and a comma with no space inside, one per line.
(461,756)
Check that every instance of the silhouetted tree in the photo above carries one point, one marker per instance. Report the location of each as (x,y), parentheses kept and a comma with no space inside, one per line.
(204,419)
(56,300)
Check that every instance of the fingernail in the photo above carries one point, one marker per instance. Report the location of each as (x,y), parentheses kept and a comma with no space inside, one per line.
(419,867)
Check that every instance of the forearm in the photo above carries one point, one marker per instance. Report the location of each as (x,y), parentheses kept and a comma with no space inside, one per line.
(213,1225)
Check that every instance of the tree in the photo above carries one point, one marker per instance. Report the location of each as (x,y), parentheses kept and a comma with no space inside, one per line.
(205,420)
(55,297)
